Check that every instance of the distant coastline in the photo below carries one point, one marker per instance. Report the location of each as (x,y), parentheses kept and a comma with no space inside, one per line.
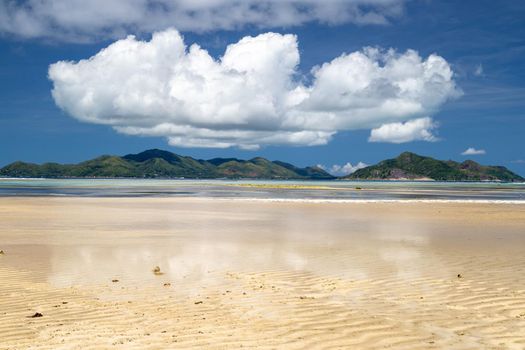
(159,164)
(335,179)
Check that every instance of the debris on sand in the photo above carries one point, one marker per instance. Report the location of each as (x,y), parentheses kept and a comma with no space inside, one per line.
(156,271)
(114,281)
(198,302)
(167,284)
(37,314)
(459,275)
(2,252)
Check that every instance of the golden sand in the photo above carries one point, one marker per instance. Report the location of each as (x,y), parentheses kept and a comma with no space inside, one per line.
(257,274)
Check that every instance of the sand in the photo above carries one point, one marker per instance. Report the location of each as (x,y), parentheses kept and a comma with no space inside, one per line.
(256,274)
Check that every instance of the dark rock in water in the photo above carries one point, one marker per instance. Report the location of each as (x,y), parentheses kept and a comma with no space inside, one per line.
(37,314)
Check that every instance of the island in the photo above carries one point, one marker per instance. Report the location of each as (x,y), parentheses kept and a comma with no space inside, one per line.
(411,166)
(157,163)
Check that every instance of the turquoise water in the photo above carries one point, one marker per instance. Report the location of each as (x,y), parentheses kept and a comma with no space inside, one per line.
(331,190)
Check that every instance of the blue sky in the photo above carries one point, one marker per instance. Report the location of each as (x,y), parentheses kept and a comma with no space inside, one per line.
(483,43)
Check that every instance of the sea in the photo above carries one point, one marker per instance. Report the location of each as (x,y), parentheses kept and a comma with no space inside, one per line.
(319,191)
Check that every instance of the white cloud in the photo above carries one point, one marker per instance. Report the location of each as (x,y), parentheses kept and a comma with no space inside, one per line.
(342,170)
(252,95)
(419,129)
(81,20)
(479,70)
(471,151)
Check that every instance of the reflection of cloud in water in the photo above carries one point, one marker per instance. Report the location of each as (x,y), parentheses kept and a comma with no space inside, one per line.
(202,242)
(405,232)
(400,255)
(186,260)
(181,261)
(405,261)
(402,244)
(295,261)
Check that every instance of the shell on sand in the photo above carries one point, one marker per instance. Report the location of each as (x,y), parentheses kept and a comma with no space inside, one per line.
(157,271)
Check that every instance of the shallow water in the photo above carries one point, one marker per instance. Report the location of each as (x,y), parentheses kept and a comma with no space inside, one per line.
(259,189)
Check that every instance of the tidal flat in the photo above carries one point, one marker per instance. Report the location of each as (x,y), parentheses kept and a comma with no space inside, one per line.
(260,274)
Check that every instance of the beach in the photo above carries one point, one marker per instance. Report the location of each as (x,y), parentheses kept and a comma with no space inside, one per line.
(220,273)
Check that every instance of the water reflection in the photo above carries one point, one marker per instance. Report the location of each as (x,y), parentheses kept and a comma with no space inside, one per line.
(93,241)
(320,190)
(212,241)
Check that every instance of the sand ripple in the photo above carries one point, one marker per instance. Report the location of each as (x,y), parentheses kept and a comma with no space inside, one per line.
(274,309)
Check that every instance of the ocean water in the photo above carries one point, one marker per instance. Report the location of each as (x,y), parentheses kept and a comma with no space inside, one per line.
(268,190)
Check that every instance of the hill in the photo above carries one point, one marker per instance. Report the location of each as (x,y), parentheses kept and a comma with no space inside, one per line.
(163,164)
(411,166)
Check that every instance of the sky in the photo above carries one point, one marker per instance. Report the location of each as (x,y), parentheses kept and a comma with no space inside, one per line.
(339,83)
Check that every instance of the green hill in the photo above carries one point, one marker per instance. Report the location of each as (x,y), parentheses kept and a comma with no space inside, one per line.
(412,166)
(163,164)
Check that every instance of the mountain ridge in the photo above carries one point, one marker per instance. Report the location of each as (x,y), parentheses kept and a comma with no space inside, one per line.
(156,163)
(411,166)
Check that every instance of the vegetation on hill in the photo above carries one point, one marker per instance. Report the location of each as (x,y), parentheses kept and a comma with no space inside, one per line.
(162,164)
(412,166)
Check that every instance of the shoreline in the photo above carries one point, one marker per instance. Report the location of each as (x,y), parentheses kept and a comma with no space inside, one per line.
(273,200)
(395,192)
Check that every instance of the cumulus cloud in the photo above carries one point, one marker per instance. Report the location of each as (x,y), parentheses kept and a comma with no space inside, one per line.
(81,20)
(471,151)
(419,129)
(251,96)
(342,170)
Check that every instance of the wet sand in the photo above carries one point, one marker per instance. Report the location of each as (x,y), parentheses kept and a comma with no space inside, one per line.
(258,274)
